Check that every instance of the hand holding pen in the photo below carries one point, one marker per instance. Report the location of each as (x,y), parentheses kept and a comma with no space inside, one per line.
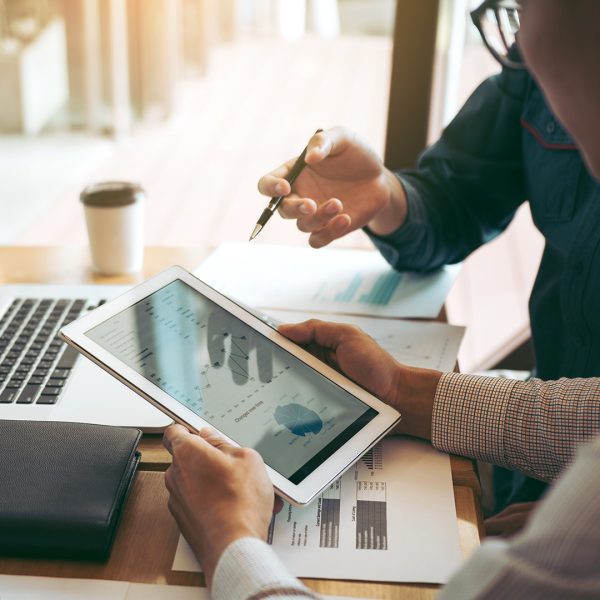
(344,186)
(291,177)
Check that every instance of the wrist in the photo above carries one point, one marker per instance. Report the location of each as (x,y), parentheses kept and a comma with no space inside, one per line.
(415,394)
(394,212)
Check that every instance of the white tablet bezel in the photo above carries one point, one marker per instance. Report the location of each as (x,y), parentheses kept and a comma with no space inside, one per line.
(314,483)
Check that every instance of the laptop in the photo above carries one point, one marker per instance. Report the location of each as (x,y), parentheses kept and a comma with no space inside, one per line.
(41,378)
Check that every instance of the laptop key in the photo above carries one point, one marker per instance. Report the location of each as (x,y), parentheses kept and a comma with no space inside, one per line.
(60,373)
(68,358)
(51,391)
(47,399)
(29,394)
(8,396)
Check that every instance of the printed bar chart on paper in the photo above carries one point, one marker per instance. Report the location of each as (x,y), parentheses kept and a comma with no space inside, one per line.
(373,459)
(330,515)
(371,520)
(380,294)
(329,280)
(396,521)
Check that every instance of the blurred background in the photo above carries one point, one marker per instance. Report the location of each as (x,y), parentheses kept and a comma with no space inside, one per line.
(195,99)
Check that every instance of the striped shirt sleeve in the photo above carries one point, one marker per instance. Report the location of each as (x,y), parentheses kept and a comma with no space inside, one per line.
(249,570)
(534,427)
(557,555)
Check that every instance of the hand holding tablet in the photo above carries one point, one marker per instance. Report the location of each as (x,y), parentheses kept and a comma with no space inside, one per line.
(203,359)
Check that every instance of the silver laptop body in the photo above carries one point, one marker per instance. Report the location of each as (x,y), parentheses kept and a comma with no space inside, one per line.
(41,378)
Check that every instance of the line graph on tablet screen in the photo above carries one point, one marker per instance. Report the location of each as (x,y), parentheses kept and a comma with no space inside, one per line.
(195,355)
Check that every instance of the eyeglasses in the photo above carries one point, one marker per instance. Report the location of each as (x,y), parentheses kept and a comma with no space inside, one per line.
(498,23)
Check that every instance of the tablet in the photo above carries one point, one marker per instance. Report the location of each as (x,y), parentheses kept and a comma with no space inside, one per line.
(203,359)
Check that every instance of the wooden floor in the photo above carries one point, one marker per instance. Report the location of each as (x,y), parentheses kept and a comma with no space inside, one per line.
(258,105)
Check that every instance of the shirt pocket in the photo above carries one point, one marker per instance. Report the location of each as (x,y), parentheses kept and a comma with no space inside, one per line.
(552,163)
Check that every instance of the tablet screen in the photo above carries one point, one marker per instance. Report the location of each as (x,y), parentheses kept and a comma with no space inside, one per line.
(233,377)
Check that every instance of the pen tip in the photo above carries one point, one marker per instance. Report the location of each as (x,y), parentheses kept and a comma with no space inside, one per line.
(255,232)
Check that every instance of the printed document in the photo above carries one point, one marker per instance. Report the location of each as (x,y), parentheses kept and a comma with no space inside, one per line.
(328,280)
(428,345)
(391,517)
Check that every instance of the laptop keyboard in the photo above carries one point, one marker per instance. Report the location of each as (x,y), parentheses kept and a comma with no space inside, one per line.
(34,363)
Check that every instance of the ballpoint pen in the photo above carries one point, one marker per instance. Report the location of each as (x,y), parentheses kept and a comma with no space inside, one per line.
(276,200)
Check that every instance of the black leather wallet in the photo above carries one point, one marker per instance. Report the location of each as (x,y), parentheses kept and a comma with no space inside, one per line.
(63,487)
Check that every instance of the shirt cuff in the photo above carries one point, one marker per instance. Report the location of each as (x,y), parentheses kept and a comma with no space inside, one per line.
(248,568)
(469,414)
(398,247)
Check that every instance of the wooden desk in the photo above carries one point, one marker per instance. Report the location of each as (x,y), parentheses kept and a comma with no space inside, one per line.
(71,264)
(147,537)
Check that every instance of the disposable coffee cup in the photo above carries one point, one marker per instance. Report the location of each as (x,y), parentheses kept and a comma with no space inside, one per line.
(114,214)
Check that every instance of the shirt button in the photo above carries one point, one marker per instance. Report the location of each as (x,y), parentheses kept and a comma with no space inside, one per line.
(550,127)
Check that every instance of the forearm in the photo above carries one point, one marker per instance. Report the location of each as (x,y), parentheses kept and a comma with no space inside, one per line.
(444,219)
(433,232)
(534,427)
(249,570)
(466,186)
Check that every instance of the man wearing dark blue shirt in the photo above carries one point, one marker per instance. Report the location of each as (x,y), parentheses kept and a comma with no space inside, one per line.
(503,148)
